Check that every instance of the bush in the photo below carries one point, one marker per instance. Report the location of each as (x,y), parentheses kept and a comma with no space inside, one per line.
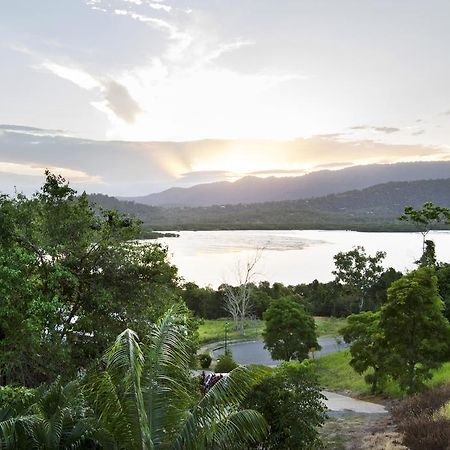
(204,360)
(10,395)
(225,363)
(292,404)
(419,420)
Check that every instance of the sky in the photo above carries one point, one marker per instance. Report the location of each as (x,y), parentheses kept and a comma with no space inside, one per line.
(130,97)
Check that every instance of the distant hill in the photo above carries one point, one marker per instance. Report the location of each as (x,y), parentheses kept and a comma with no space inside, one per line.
(373,208)
(258,190)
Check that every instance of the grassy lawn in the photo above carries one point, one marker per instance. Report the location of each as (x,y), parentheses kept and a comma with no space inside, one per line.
(329,326)
(334,372)
(213,330)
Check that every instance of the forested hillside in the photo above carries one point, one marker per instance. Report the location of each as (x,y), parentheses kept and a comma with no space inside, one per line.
(376,207)
(253,189)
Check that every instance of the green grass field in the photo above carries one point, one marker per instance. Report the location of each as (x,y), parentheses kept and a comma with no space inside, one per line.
(334,372)
(214,330)
(329,326)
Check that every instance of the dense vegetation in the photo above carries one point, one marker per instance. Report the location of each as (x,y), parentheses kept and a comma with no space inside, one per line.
(85,362)
(365,209)
(138,397)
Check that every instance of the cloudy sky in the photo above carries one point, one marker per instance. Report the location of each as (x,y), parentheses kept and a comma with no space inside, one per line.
(133,96)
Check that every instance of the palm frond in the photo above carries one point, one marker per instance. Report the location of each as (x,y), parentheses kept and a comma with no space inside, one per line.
(238,430)
(167,390)
(126,359)
(218,404)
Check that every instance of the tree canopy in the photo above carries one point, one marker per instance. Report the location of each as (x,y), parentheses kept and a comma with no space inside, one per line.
(71,279)
(290,331)
(414,326)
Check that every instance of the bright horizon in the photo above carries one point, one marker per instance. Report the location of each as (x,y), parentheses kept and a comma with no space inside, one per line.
(130,97)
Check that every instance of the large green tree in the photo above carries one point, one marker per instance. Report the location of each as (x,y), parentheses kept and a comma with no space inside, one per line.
(370,354)
(415,328)
(290,332)
(71,278)
(358,271)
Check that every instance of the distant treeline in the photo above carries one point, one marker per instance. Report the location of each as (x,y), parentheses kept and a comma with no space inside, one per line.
(319,299)
(373,209)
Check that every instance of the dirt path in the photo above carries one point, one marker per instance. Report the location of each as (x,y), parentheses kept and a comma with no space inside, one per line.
(360,431)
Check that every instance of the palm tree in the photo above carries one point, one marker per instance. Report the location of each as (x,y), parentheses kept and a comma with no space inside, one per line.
(142,398)
(54,418)
(146,398)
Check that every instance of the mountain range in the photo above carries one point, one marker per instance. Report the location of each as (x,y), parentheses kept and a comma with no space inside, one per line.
(252,189)
(375,208)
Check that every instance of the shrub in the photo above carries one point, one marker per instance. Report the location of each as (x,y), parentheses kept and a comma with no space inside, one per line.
(290,400)
(10,395)
(204,360)
(226,363)
(420,421)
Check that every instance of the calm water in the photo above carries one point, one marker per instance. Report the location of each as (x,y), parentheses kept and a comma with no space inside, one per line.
(289,256)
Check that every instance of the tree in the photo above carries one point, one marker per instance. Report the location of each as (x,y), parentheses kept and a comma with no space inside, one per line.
(238,300)
(290,331)
(424,219)
(443,276)
(291,402)
(358,270)
(415,328)
(140,397)
(144,396)
(368,347)
(71,279)
(53,417)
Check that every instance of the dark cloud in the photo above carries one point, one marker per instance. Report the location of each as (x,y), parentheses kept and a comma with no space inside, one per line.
(387,130)
(418,133)
(121,102)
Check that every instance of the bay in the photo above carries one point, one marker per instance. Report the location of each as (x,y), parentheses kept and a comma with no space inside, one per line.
(288,256)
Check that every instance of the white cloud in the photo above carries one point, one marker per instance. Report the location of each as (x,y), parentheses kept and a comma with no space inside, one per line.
(76,76)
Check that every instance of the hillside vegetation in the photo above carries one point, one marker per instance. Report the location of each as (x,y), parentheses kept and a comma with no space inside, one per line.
(366,209)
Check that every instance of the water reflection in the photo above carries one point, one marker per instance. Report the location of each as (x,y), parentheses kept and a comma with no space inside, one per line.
(289,256)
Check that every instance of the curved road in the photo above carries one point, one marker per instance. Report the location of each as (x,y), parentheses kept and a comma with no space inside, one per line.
(255,353)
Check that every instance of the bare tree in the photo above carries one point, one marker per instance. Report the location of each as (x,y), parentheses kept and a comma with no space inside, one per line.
(238,298)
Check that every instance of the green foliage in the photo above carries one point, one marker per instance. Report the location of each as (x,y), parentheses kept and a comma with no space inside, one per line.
(335,373)
(414,326)
(358,271)
(204,360)
(10,395)
(139,397)
(70,280)
(145,398)
(54,417)
(290,331)
(368,348)
(291,402)
(364,210)
(424,220)
(443,277)
(225,363)
(214,330)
